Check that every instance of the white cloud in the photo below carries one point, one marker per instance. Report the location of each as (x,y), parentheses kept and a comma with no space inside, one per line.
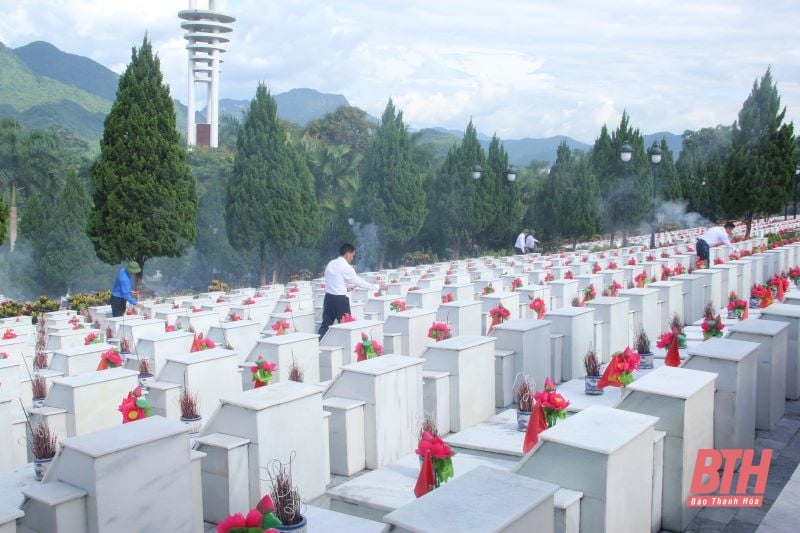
(521,68)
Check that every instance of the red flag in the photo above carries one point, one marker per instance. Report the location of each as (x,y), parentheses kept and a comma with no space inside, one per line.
(746,313)
(673,357)
(426,481)
(610,377)
(766,301)
(495,322)
(196,347)
(103,364)
(779,295)
(536,425)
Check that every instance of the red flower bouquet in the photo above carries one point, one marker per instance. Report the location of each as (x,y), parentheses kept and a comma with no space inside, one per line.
(632,261)
(437,464)
(671,341)
(554,404)
(261,372)
(398,306)
(641,280)
(596,268)
(109,359)
(488,289)
(549,277)
(737,307)
(346,318)
(447,298)
(134,407)
(281,326)
(568,274)
(499,315)
(719,261)
(367,349)
(619,372)
(249,301)
(234,317)
(700,264)
(650,258)
(794,275)
(516,283)
(91,338)
(439,331)
(537,305)
(780,285)
(761,295)
(9,334)
(612,265)
(712,327)
(614,288)
(200,343)
(589,293)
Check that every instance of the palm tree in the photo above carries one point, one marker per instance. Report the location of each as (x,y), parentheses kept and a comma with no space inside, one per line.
(29,160)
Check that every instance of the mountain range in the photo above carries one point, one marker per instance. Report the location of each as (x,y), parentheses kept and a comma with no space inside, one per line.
(43,86)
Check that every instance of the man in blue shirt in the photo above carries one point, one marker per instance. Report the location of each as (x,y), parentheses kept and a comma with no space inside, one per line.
(121,292)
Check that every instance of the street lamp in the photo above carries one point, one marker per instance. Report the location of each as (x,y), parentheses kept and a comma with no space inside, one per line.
(476,171)
(511,174)
(796,179)
(625,154)
(351,219)
(655,160)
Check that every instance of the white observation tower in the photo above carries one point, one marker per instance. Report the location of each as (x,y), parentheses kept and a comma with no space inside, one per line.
(205,33)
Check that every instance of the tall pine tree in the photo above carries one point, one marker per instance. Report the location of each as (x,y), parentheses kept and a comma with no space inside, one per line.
(270,197)
(145,197)
(761,165)
(392,194)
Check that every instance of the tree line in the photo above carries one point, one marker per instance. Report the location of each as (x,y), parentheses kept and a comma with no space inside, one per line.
(275,200)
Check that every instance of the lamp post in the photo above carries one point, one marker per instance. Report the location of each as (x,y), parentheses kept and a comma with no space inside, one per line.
(655,160)
(796,179)
(351,219)
(625,154)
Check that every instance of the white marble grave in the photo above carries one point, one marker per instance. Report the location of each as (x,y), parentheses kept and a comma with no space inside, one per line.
(487,499)
(301,348)
(791,315)
(735,399)
(470,361)
(347,335)
(239,335)
(530,342)
(612,312)
(576,324)
(463,316)
(391,386)
(611,468)
(159,346)
(772,338)
(79,359)
(412,326)
(683,401)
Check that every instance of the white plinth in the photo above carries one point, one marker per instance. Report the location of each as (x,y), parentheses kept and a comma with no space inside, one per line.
(347,335)
(611,468)
(158,347)
(791,315)
(487,499)
(241,336)
(530,342)
(463,316)
(77,360)
(302,348)
(772,338)
(391,386)
(412,326)
(279,420)
(576,324)
(613,313)
(683,401)
(470,362)
(735,399)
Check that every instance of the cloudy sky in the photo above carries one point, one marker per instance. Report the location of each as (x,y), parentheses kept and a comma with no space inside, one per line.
(520,68)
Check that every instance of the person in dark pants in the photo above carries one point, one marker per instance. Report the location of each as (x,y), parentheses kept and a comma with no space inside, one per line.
(121,292)
(338,274)
(714,237)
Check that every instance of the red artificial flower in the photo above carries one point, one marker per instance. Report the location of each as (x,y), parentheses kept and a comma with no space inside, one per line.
(447,298)
(249,301)
(439,331)
(233,521)
(632,261)
(596,268)
(9,334)
(568,274)
(346,318)
(281,326)
(537,305)
(234,316)
(91,338)
(169,328)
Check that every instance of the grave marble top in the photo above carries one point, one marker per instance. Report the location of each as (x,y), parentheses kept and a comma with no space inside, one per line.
(288,338)
(569,311)
(221,440)
(590,429)
(125,318)
(383,364)
(392,486)
(728,349)
(114,439)
(607,300)
(416,312)
(274,394)
(574,391)
(521,324)
(498,435)
(201,356)
(9,513)
(781,310)
(461,342)
(188,313)
(686,277)
(759,327)
(86,348)
(166,335)
(98,376)
(507,495)
(665,283)
(638,291)
(461,303)
(358,325)
(70,332)
(147,322)
(673,382)
(333,522)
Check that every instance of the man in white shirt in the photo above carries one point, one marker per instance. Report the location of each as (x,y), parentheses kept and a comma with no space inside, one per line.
(338,274)
(530,242)
(519,246)
(715,236)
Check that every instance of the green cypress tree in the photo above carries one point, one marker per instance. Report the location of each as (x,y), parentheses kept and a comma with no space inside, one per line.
(576,195)
(392,194)
(3,216)
(508,207)
(270,196)
(761,165)
(145,197)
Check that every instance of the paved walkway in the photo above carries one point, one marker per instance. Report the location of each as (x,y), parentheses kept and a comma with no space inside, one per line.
(784,440)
